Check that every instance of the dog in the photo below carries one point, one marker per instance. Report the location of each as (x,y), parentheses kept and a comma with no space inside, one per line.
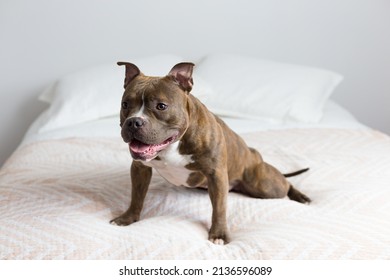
(170,130)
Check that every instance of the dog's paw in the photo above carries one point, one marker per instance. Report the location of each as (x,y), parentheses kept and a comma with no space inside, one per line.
(124,220)
(218,241)
(296,195)
(219,238)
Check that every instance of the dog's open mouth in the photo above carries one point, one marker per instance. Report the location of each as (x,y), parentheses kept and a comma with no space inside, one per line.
(143,151)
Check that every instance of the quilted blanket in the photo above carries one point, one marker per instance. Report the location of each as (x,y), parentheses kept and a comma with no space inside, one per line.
(57,198)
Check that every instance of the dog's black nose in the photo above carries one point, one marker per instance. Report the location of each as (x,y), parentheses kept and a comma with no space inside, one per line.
(135,123)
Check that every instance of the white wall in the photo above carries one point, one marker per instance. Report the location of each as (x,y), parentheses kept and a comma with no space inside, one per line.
(42,40)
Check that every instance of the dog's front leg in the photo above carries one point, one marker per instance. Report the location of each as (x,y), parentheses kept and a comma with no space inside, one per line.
(140,180)
(218,188)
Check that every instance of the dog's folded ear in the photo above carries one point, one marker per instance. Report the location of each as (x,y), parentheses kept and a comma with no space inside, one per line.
(132,71)
(182,74)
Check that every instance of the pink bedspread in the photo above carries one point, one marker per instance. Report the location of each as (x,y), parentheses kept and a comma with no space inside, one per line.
(57,197)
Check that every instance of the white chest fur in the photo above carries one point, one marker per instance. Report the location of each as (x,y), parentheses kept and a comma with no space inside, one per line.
(171,165)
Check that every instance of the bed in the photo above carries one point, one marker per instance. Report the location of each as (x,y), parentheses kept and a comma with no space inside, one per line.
(70,175)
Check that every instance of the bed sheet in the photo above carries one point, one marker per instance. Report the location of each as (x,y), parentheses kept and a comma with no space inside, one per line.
(60,188)
(57,197)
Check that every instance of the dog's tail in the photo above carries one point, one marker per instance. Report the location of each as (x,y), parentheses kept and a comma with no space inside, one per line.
(295,173)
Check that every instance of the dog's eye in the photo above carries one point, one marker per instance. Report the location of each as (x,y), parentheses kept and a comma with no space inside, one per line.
(125,105)
(161,106)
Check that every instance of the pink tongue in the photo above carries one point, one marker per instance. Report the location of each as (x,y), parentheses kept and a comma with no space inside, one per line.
(139,147)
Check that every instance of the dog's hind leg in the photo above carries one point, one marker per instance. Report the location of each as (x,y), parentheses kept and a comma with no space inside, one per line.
(265,181)
(296,195)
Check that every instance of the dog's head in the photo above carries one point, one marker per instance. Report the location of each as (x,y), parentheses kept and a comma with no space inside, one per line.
(154,112)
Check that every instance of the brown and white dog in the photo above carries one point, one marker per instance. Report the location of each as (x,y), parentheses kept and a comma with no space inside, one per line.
(170,130)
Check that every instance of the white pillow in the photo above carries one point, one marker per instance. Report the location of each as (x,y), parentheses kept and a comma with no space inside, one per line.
(96,92)
(260,89)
